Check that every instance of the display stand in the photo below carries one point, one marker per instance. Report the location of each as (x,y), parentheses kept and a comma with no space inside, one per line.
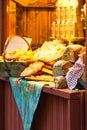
(59,109)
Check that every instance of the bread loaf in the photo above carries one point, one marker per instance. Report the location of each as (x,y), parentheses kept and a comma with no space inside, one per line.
(68,55)
(60,82)
(61,67)
(33,68)
(71,52)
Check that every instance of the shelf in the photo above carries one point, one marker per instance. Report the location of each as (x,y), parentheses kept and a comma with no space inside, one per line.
(36,3)
(74,39)
(64,93)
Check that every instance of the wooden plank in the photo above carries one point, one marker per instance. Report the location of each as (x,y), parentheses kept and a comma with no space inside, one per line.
(82,109)
(43,26)
(1,26)
(25,22)
(79,22)
(11,10)
(12,119)
(20,21)
(65,93)
(86,73)
(75,114)
(37,26)
(2,106)
(49,24)
(31,30)
(37,3)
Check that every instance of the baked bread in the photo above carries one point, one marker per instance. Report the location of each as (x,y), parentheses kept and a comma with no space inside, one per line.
(71,52)
(60,82)
(61,67)
(68,55)
(32,69)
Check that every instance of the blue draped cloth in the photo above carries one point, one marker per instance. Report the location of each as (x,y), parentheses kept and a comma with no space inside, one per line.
(27,95)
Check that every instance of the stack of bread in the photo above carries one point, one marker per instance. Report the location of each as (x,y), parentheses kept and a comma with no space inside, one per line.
(69,57)
(52,59)
(47,55)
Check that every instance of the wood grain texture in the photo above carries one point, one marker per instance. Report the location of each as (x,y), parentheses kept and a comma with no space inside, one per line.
(57,113)
(0,26)
(3,24)
(12,119)
(34,23)
(54,112)
(86,74)
(2,106)
(11,11)
(37,3)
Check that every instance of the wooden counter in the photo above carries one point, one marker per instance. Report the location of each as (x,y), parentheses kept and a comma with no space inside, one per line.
(58,109)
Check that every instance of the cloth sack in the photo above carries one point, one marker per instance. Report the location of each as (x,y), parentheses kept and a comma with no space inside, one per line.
(74,73)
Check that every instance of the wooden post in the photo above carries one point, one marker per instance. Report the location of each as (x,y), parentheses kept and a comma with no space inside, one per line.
(78,16)
(86,75)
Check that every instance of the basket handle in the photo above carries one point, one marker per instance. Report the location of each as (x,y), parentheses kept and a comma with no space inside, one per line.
(5,46)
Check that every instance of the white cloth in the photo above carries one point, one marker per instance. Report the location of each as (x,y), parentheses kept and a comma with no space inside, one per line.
(75,73)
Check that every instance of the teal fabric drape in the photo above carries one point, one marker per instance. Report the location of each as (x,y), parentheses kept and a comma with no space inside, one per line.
(27,95)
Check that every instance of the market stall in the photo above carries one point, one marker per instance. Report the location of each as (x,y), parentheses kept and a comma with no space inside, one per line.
(44,45)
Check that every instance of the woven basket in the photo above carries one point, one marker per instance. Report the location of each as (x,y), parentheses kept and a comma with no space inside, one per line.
(13,68)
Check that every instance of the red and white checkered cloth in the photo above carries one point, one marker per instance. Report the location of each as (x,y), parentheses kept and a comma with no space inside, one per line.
(75,73)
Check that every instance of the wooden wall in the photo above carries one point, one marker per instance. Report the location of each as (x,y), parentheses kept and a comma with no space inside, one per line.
(11,17)
(86,75)
(12,119)
(34,23)
(2,106)
(31,22)
(3,24)
(0,23)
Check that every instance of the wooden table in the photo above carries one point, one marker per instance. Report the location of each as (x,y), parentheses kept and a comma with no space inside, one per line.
(58,109)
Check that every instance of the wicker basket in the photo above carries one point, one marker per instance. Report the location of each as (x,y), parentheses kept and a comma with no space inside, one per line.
(13,68)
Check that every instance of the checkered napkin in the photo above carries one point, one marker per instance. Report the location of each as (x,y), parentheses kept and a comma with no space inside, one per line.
(75,73)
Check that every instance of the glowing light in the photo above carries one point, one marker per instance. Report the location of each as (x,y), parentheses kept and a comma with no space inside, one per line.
(68,3)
